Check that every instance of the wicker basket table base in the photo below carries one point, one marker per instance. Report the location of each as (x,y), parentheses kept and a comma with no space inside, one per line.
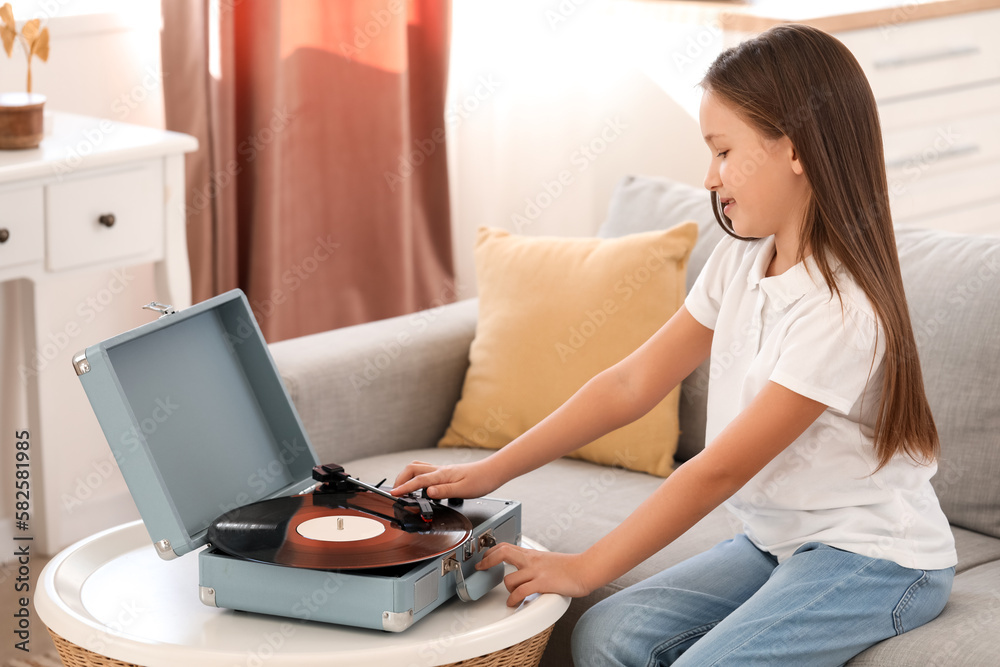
(525,654)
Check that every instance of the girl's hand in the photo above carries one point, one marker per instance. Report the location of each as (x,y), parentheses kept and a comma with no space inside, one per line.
(465,480)
(537,572)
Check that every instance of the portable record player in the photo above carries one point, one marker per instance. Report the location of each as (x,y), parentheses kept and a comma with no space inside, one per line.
(214,454)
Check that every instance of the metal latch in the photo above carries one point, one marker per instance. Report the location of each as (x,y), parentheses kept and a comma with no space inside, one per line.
(472,547)
(487,540)
(162,308)
(449,564)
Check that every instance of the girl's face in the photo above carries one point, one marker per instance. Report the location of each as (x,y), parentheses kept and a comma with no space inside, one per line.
(759,181)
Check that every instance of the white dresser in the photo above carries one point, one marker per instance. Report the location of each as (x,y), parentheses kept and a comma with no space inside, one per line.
(96,194)
(937,83)
(97,198)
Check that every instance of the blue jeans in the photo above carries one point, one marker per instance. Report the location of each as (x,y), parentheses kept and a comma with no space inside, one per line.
(734,605)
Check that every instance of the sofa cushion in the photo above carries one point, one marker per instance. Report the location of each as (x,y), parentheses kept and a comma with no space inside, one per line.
(641,203)
(974,549)
(951,283)
(382,386)
(553,313)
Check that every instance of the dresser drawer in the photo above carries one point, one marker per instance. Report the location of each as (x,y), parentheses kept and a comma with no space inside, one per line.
(21,226)
(979,218)
(105,216)
(940,108)
(942,193)
(915,57)
(945,145)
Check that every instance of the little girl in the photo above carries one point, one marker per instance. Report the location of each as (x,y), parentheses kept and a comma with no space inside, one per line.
(820,438)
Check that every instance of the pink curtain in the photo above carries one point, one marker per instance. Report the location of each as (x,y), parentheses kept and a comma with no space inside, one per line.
(320,187)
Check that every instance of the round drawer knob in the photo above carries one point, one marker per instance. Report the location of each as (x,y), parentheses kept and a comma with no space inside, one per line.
(4,235)
(108,219)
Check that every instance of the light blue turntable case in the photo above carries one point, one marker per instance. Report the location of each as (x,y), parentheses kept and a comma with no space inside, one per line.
(200,423)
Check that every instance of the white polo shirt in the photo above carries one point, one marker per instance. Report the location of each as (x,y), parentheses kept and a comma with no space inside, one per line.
(789,329)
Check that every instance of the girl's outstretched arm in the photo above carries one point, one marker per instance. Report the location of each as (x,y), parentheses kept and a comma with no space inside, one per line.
(772,421)
(611,399)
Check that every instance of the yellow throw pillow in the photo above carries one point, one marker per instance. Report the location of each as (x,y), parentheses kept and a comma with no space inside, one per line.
(553,313)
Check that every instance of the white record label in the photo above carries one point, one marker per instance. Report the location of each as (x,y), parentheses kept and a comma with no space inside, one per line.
(348,528)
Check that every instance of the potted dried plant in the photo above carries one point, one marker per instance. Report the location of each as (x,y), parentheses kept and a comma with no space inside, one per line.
(21,113)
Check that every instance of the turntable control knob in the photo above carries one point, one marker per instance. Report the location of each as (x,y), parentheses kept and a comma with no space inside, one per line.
(455,501)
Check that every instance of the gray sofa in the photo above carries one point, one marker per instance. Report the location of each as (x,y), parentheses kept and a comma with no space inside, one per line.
(374,399)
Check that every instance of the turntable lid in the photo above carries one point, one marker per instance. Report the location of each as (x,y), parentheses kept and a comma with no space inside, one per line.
(197,417)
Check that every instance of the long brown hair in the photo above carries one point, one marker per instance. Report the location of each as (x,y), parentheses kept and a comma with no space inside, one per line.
(800,82)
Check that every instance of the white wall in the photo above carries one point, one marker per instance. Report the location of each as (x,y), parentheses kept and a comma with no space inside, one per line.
(104,65)
(582,89)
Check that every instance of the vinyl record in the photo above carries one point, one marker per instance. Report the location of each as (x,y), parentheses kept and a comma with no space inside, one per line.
(334,532)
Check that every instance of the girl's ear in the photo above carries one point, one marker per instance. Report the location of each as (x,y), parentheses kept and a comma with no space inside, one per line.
(795,162)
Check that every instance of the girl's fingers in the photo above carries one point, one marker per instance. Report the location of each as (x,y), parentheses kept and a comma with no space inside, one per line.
(490,558)
(524,590)
(411,484)
(405,475)
(439,483)
(516,578)
(418,482)
(407,479)
(502,553)
(441,491)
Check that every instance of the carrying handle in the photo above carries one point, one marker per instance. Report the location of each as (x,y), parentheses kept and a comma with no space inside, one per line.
(478,584)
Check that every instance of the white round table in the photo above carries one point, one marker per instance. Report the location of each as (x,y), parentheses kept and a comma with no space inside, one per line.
(112,595)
